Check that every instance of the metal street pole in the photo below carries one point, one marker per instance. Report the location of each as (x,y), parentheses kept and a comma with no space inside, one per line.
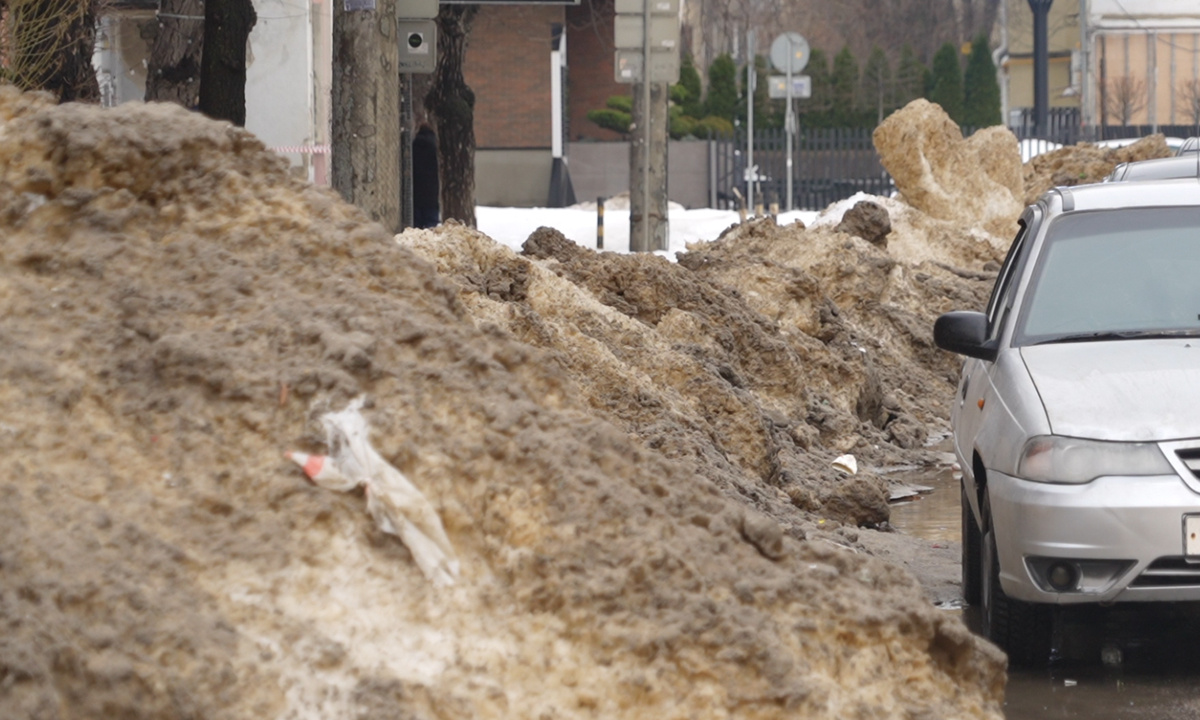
(406,158)
(646,246)
(790,121)
(751,76)
(1041,63)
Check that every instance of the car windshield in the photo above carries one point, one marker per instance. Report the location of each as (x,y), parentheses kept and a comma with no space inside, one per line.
(1115,274)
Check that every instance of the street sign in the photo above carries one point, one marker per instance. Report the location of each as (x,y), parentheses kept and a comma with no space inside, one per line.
(777,87)
(657,7)
(416,9)
(418,46)
(789,49)
(664,32)
(664,66)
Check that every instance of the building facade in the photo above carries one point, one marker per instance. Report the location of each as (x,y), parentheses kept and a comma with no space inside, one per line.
(1120,62)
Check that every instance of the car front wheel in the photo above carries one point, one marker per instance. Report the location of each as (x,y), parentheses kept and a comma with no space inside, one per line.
(1021,629)
(972,554)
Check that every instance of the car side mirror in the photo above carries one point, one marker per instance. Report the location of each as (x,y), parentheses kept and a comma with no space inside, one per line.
(964,332)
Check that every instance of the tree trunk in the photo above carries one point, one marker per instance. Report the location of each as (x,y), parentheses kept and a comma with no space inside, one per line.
(453,104)
(365,140)
(227,25)
(173,74)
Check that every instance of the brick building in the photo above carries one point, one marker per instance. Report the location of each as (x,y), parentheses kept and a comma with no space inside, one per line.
(508,65)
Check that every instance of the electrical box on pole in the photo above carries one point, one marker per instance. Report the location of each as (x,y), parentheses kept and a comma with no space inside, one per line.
(416,9)
(418,46)
(664,66)
(657,7)
(664,32)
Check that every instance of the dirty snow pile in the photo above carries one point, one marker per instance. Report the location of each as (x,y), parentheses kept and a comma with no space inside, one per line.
(631,458)
(1086,163)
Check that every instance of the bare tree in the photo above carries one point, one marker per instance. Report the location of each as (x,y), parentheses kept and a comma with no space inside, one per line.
(1189,96)
(453,104)
(1124,97)
(48,45)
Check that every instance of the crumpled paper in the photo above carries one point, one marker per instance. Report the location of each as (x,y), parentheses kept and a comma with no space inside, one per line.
(396,505)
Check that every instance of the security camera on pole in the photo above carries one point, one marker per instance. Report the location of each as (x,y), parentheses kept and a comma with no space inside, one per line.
(417,35)
(789,54)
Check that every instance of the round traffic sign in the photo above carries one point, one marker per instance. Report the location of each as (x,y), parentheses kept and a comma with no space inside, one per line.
(789,48)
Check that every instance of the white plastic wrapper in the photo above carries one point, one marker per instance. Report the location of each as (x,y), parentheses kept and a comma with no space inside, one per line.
(397,506)
(847,464)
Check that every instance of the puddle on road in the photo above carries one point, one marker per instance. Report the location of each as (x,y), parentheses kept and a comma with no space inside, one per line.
(1152,669)
(933,515)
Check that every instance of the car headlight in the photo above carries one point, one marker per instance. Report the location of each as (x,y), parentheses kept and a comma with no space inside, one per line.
(1056,459)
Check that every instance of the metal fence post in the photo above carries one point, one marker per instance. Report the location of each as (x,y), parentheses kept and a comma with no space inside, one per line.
(599,223)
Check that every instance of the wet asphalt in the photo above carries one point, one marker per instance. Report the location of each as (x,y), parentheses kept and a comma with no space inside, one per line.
(1137,660)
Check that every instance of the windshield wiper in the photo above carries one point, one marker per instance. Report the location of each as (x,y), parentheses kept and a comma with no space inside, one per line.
(1121,335)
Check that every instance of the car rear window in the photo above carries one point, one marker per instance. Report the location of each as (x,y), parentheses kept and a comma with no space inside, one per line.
(1115,271)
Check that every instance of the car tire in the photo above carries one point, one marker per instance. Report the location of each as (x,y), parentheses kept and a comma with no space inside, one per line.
(1023,630)
(972,554)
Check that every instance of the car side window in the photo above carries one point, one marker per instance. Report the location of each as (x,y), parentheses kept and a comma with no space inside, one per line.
(1002,293)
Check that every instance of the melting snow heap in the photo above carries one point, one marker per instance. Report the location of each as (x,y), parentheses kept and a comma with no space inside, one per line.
(178,310)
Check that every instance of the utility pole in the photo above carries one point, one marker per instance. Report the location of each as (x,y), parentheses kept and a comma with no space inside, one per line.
(646,34)
(365,138)
(648,161)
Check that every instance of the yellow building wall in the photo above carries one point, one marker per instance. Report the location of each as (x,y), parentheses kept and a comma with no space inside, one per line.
(1020,82)
(1062,35)
(1155,76)
(1062,27)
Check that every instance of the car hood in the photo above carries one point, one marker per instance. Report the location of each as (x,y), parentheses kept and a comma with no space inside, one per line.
(1136,390)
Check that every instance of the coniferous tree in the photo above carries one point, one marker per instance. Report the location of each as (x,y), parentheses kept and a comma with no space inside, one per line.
(876,92)
(689,78)
(910,77)
(722,100)
(947,89)
(816,108)
(843,89)
(981,91)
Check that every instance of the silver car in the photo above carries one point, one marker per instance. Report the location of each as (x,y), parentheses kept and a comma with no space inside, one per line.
(1186,165)
(1077,417)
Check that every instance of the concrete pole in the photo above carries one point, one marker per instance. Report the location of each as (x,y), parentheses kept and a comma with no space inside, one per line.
(648,165)
(406,158)
(648,156)
(365,137)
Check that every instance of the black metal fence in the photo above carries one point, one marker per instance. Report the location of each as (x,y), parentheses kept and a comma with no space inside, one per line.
(828,165)
(833,164)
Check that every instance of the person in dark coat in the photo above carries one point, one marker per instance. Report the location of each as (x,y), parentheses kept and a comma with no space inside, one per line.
(426,213)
